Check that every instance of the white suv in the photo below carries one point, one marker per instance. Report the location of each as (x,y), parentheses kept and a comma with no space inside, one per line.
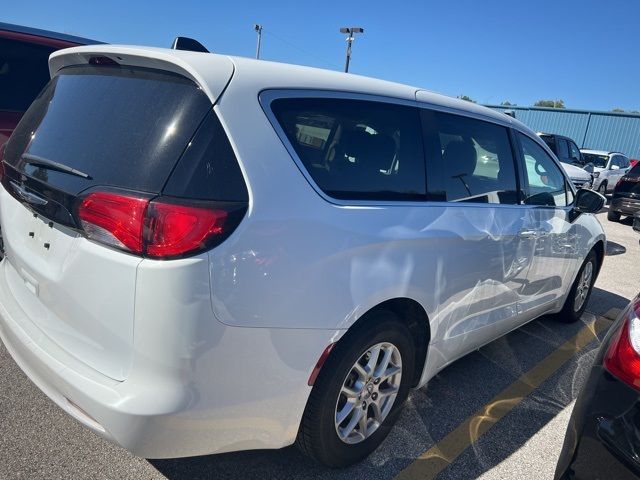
(207,253)
(606,167)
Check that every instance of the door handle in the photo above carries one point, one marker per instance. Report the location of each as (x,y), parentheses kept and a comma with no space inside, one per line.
(528,233)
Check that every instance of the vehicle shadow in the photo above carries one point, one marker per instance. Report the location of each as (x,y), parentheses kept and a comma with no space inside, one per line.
(614,248)
(431,413)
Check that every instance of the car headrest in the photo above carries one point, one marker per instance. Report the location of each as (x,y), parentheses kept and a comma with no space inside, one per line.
(368,149)
(460,158)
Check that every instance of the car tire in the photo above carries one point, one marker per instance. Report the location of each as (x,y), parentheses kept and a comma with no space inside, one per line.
(613,216)
(602,188)
(571,311)
(318,434)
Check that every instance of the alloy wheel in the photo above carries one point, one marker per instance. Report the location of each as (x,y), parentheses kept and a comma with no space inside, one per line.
(584,285)
(368,393)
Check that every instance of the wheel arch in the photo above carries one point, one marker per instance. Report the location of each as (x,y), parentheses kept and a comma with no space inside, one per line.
(599,247)
(408,311)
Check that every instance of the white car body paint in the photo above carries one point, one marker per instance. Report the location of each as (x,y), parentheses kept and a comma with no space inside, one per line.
(212,353)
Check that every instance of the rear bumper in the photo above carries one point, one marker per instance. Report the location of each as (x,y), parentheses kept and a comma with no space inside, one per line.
(625,206)
(249,392)
(602,438)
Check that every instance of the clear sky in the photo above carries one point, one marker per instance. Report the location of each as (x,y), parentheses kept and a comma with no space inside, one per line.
(585,52)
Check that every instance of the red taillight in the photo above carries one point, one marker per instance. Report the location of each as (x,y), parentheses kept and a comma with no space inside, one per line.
(160,228)
(623,356)
(114,219)
(173,229)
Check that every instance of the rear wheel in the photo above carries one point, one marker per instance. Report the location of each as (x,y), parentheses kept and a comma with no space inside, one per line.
(359,393)
(576,302)
(613,216)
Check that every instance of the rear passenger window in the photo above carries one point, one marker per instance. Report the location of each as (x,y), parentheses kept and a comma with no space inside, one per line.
(468,160)
(544,183)
(355,149)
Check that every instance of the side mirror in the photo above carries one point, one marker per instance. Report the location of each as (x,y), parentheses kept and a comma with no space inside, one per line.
(615,167)
(588,201)
(588,167)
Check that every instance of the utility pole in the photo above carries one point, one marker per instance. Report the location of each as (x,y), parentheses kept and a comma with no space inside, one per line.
(350,31)
(258,29)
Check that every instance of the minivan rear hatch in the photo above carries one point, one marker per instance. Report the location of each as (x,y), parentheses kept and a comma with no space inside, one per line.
(98,125)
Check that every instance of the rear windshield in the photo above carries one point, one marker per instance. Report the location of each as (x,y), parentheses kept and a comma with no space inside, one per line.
(550,141)
(599,161)
(118,126)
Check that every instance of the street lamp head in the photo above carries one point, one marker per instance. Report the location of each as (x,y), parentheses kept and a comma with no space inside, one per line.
(351,30)
(257,27)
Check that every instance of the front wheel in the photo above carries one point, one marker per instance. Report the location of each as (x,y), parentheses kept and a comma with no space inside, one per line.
(576,302)
(359,393)
(602,188)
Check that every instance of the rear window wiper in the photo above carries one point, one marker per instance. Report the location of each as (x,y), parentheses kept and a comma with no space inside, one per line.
(41,162)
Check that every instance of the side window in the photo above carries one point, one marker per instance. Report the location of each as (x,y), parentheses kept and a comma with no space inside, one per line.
(354,149)
(544,183)
(563,149)
(574,152)
(468,160)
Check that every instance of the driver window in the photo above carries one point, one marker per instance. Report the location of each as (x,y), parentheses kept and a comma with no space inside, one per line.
(544,183)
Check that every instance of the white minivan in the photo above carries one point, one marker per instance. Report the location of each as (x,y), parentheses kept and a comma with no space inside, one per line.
(207,253)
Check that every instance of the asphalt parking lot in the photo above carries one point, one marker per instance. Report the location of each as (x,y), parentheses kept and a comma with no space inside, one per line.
(500,412)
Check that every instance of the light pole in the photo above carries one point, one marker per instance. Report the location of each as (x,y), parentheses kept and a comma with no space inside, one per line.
(350,31)
(258,29)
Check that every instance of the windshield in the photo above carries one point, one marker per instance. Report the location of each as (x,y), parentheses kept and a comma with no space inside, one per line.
(599,161)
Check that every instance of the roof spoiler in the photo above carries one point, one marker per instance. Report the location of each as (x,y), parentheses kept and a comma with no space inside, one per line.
(186,43)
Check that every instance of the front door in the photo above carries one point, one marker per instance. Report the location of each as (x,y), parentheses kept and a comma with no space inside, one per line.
(484,257)
(547,195)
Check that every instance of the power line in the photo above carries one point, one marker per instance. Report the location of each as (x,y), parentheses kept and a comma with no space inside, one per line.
(297,47)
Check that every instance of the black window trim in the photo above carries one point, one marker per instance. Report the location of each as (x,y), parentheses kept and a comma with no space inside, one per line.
(265,97)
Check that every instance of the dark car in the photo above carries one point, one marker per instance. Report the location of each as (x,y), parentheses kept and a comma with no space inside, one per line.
(603,436)
(24,70)
(636,222)
(626,195)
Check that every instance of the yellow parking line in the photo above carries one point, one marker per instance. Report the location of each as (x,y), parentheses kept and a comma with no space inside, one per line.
(438,457)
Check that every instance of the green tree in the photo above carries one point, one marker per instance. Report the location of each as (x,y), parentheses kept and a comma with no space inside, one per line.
(467,98)
(549,103)
(507,103)
(618,110)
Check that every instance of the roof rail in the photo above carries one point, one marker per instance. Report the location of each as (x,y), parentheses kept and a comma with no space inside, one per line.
(186,43)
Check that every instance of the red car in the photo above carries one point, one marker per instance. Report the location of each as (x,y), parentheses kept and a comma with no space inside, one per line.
(24,70)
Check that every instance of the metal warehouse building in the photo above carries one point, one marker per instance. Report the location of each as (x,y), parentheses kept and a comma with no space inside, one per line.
(596,130)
